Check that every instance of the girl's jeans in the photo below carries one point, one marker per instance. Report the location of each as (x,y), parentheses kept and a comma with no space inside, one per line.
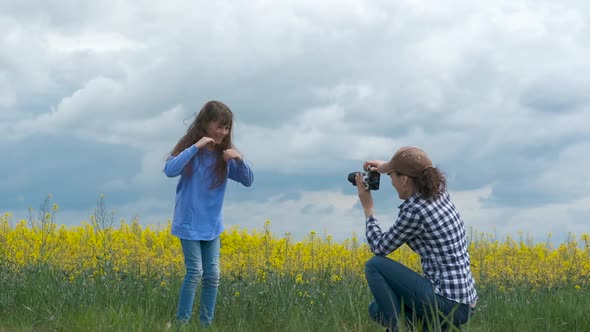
(201,259)
(393,284)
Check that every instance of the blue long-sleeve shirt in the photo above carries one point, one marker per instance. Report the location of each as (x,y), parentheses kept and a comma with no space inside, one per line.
(197,210)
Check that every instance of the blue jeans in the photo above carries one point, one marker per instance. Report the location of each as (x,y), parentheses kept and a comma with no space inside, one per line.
(396,287)
(201,259)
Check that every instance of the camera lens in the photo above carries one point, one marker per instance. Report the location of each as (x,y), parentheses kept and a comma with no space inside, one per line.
(351,178)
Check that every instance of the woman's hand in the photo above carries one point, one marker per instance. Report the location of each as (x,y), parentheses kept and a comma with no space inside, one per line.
(376,165)
(204,141)
(231,154)
(364,195)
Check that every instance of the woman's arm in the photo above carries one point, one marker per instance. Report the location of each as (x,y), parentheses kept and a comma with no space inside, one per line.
(406,227)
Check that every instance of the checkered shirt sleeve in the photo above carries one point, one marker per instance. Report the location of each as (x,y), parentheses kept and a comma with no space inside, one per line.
(407,226)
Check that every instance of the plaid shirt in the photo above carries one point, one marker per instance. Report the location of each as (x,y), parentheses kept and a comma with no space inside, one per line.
(434,230)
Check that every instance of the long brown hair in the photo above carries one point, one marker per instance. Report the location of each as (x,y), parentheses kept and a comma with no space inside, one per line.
(211,111)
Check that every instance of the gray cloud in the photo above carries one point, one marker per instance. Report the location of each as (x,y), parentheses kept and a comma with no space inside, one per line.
(74,171)
(557,94)
(495,92)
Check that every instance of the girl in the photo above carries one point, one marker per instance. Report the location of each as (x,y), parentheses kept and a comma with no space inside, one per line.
(430,225)
(204,158)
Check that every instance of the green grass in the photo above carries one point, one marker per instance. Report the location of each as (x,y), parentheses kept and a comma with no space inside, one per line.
(43,300)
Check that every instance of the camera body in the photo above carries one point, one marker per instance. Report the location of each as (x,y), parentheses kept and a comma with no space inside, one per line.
(370,179)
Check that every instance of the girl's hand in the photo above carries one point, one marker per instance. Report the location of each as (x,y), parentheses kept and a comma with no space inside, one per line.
(364,195)
(231,154)
(204,141)
(376,165)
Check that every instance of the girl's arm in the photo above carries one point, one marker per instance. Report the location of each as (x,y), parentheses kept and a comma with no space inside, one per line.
(240,171)
(175,165)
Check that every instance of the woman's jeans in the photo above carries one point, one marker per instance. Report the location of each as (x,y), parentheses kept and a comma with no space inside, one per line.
(201,259)
(396,288)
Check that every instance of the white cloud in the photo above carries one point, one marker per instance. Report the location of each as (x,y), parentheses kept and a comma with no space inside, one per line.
(358,91)
(89,41)
(340,214)
(568,172)
(537,222)
(491,85)
(297,145)
(96,111)
(329,212)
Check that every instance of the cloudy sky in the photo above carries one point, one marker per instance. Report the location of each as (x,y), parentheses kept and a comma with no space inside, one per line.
(94,95)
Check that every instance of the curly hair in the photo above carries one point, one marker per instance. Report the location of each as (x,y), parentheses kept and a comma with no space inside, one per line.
(431,183)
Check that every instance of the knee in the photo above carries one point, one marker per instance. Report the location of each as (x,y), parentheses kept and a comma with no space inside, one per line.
(372,264)
(211,276)
(194,274)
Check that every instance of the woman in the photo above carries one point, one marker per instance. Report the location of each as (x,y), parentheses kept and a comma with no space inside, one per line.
(430,225)
(204,158)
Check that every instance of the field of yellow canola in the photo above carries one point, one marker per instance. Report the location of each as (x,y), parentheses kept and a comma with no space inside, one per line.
(92,251)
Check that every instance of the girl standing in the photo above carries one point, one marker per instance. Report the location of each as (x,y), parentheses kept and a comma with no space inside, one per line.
(204,158)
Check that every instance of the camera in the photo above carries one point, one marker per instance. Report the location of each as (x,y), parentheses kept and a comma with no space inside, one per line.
(370,179)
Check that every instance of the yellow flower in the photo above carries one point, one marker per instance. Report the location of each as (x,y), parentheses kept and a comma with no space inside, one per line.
(299,279)
(237,294)
(577,287)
